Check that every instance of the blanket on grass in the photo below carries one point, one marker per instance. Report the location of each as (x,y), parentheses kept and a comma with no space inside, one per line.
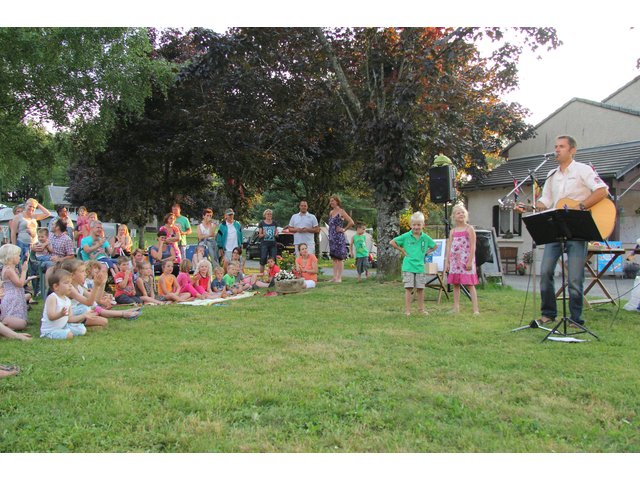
(201,303)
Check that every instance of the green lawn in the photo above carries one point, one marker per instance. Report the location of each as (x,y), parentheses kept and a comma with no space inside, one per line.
(335,369)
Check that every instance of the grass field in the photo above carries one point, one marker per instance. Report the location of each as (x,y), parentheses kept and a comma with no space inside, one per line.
(334,369)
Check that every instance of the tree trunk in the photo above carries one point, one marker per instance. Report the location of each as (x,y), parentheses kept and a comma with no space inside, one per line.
(141,242)
(389,260)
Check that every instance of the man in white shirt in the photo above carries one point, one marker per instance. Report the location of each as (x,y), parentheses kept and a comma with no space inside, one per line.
(580,183)
(304,226)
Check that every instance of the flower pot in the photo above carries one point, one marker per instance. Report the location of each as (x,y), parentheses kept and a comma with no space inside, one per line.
(289,286)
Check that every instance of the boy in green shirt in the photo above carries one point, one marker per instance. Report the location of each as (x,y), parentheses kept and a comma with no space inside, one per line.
(359,250)
(413,246)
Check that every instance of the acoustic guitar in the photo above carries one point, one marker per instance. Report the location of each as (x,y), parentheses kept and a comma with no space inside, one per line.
(603,212)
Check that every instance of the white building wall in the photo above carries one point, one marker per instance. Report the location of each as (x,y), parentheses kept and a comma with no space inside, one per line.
(590,125)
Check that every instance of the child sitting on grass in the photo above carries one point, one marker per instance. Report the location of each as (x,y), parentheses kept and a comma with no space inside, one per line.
(58,321)
(218,285)
(201,281)
(234,284)
(146,286)
(184,281)
(125,290)
(168,284)
(83,302)
(93,268)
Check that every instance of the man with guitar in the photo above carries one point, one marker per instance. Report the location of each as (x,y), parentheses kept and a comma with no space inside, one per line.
(578,186)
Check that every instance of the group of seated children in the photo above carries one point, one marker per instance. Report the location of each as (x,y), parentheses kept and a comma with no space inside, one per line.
(77,297)
(207,282)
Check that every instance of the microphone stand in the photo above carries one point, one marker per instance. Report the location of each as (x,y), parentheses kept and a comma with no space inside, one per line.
(503,200)
(534,323)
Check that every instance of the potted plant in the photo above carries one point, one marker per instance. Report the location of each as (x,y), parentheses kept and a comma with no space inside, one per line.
(286,282)
(521,268)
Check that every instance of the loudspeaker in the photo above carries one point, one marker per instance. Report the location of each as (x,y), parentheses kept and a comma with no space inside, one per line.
(483,248)
(442,184)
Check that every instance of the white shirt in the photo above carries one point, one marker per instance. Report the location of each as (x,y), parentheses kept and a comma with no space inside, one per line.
(303,220)
(577,182)
(232,238)
(48,326)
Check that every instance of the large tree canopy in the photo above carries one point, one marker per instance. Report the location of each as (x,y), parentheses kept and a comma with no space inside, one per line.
(70,77)
(416,92)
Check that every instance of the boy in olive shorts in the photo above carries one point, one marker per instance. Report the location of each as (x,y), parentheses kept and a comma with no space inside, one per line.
(413,246)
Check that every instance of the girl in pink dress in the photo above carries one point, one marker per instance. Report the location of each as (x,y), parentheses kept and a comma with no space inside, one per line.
(184,281)
(460,258)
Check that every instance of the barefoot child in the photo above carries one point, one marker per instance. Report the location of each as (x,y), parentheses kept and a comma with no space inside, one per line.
(201,280)
(414,245)
(168,284)
(231,279)
(83,302)
(218,285)
(13,309)
(58,322)
(184,281)
(460,258)
(146,286)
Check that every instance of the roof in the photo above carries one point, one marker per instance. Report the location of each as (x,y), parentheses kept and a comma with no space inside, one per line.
(606,106)
(612,162)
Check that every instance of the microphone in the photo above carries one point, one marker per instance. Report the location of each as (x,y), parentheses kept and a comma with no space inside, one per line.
(550,154)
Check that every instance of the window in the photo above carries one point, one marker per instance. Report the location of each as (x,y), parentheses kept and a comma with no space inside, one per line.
(506,220)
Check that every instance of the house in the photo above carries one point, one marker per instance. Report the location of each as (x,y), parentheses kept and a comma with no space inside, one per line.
(608,137)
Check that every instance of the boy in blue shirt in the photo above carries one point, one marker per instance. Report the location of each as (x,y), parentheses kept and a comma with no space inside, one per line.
(413,246)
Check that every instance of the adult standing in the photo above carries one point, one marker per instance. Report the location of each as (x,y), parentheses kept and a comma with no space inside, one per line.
(63,214)
(172,232)
(580,183)
(337,240)
(25,226)
(183,225)
(207,231)
(267,231)
(304,226)
(229,235)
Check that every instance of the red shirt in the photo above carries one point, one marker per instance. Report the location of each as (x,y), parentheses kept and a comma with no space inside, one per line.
(121,289)
(273,270)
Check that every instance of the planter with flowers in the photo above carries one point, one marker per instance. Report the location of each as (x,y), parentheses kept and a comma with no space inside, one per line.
(521,268)
(286,282)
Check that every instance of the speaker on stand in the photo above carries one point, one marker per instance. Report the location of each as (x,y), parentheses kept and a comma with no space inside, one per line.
(442,189)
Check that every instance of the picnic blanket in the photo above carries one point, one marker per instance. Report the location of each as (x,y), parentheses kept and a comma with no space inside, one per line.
(204,303)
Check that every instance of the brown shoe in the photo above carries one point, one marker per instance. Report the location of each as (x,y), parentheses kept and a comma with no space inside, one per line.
(544,320)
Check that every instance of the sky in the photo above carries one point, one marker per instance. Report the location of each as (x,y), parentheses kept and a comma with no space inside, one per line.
(599,54)
(586,66)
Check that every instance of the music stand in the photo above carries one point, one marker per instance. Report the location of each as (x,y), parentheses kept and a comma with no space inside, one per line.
(561,225)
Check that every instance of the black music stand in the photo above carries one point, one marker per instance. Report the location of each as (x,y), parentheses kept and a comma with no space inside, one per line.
(561,225)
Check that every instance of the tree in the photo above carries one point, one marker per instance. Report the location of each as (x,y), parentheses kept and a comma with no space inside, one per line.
(70,78)
(149,161)
(267,117)
(412,93)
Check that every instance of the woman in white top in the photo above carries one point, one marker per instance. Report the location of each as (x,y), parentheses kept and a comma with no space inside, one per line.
(207,231)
